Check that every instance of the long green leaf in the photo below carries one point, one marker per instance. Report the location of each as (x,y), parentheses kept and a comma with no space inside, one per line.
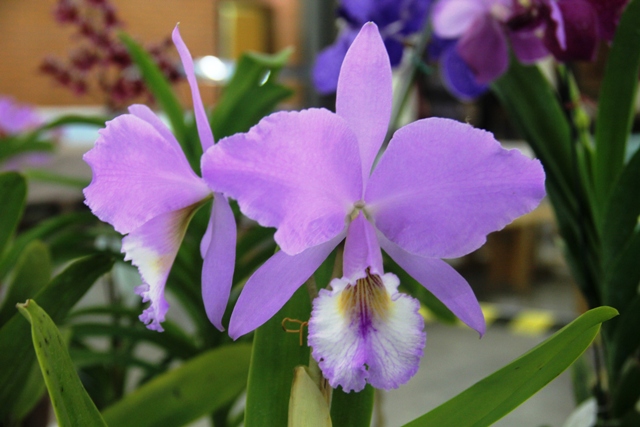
(498,394)
(32,273)
(275,355)
(626,339)
(17,355)
(198,387)
(248,97)
(72,405)
(13,193)
(352,409)
(616,102)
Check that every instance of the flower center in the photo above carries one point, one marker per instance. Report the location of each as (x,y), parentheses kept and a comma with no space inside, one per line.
(357,207)
(365,301)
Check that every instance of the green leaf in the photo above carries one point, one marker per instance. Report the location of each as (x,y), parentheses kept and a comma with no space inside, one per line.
(248,97)
(352,409)
(163,93)
(626,393)
(498,394)
(55,178)
(72,405)
(198,387)
(32,273)
(626,339)
(275,355)
(17,356)
(13,193)
(32,391)
(13,146)
(616,101)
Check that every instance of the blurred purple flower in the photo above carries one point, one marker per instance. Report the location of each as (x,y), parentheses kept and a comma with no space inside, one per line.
(16,118)
(396,19)
(143,185)
(437,191)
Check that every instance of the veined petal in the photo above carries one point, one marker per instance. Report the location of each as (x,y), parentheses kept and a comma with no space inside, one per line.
(204,129)
(442,186)
(441,280)
(366,332)
(273,284)
(364,94)
(452,18)
(219,260)
(297,171)
(139,172)
(361,250)
(152,248)
(484,48)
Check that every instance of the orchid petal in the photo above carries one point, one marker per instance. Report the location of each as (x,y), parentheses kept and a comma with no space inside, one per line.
(364,95)
(580,24)
(139,172)
(152,248)
(219,261)
(484,48)
(271,286)
(441,280)
(366,332)
(452,18)
(458,77)
(527,46)
(442,186)
(361,250)
(204,129)
(297,171)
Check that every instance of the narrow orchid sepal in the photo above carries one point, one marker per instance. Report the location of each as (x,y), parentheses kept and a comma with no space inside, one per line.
(204,129)
(271,286)
(361,249)
(219,260)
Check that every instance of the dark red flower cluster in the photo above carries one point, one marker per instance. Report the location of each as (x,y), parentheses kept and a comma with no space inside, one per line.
(101,62)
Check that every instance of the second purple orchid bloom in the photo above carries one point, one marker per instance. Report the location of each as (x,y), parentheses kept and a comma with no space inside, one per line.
(437,191)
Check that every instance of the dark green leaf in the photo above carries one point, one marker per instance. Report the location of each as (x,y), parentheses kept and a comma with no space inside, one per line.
(498,394)
(248,97)
(616,102)
(17,356)
(626,339)
(352,409)
(72,405)
(626,392)
(198,387)
(32,273)
(14,146)
(13,193)
(275,355)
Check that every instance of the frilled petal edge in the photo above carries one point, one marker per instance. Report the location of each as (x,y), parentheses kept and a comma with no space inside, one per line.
(152,248)
(366,332)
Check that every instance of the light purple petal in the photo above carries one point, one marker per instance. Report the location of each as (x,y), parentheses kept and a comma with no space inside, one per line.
(204,129)
(527,46)
(271,286)
(441,280)
(219,261)
(139,172)
(442,186)
(484,48)
(297,171)
(152,248)
(364,95)
(361,250)
(452,18)
(365,331)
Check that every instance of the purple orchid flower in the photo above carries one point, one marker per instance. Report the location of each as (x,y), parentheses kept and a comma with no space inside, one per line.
(16,118)
(143,185)
(437,191)
(486,29)
(397,20)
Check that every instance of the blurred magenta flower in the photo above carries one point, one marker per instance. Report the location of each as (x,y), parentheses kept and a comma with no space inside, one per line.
(436,192)
(143,185)
(397,20)
(16,118)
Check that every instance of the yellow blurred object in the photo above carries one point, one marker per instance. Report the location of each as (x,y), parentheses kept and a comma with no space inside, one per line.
(244,26)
